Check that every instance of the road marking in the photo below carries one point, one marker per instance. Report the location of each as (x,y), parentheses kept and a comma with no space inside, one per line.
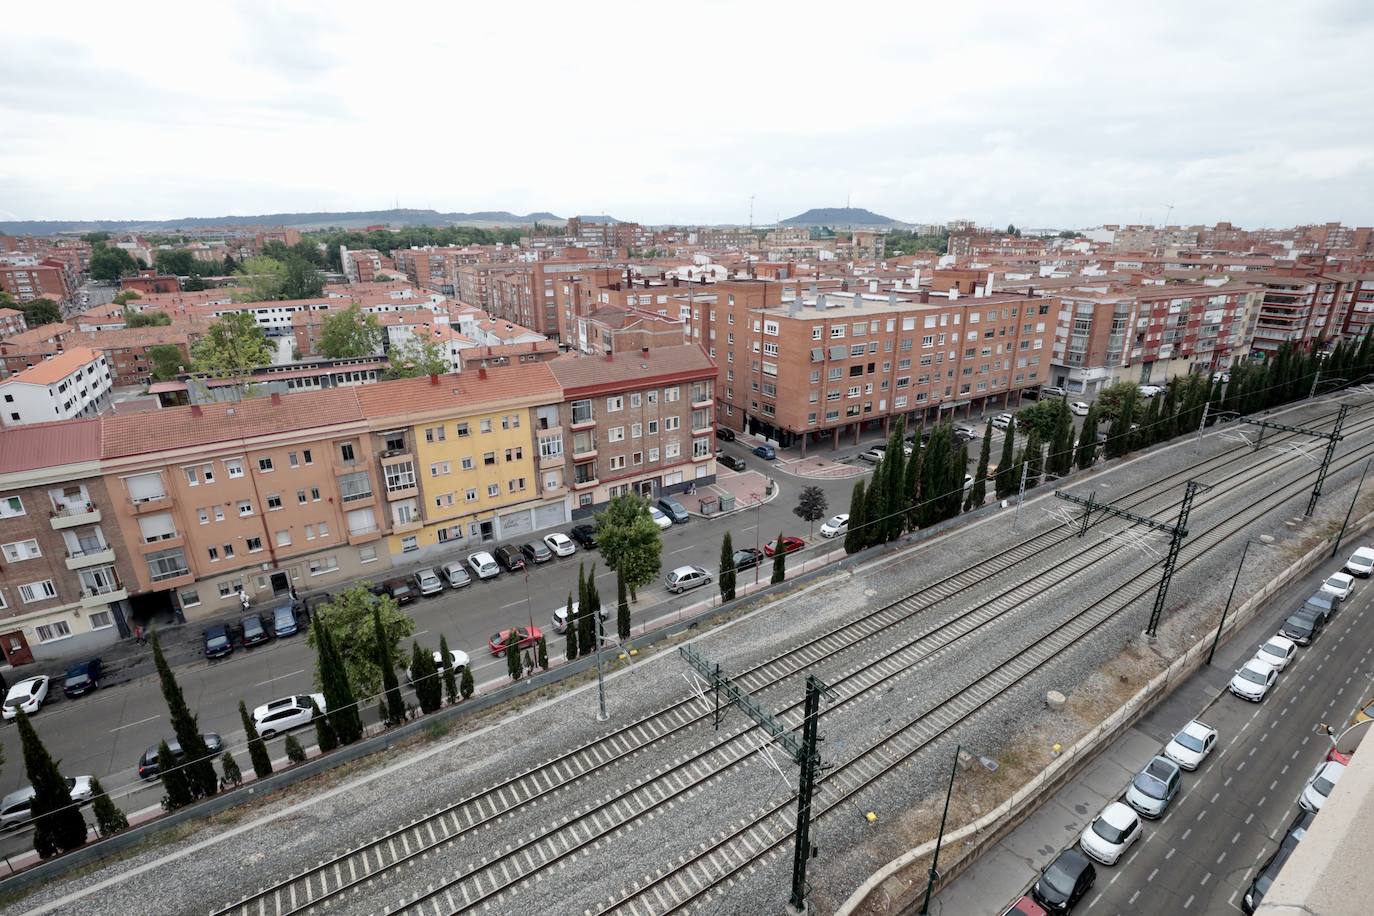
(512,604)
(1205,878)
(1185,834)
(139,722)
(280,676)
(1221,857)
(1189,902)
(682,549)
(1152,874)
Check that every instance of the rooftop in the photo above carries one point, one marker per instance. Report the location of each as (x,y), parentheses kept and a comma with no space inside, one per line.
(47,445)
(574,371)
(54,369)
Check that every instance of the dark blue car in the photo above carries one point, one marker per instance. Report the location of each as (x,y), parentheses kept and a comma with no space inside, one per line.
(82,678)
(218,644)
(284,622)
(765,452)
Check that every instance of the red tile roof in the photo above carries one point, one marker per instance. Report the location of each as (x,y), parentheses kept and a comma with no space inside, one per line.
(419,395)
(622,370)
(24,448)
(54,369)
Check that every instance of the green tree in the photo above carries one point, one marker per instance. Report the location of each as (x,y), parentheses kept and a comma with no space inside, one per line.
(417,356)
(811,506)
(301,279)
(257,748)
(1041,416)
(941,481)
(1111,399)
(233,346)
(1034,457)
(590,637)
(450,676)
(1008,475)
(166,361)
(727,568)
(1119,433)
(779,562)
(95,238)
(622,608)
(38,312)
(1060,461)
(856,533)
(467,686)
(1087,440)
(910,498)
(331,675)
(200,767)
(386,662)
(978,493)
(229,767)
(109,820)
(57,822)
(350,333)
(349,618)
(125,296)
(112,263)
(325,735)
(260,279)
(424,677)
(176,782)
(630,541)
(512,650)
(570,633)
(134,319)
(294,752)
(893,476)
(1149,430)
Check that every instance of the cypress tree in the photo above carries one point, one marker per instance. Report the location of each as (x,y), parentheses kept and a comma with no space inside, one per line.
(466,686)
(1150,425)
(424,676)
(391,688)
(200,769)
(1034,459)
(339,700)
(622,608)
(1087,440)
(876,507)
(727,568)
(570,628)
(294,752)
(779,563)
(233,776)
(854,534)
(450,678)
(590,613)
(173,778)
(513,666)
(325,736)
(937,470)
(1061,447)
(584,600)
(542,656)
(57,822)
(1008,475)
(109,820)
(257,748)
(894,475)
(910,496)
(978,493)
(958,472)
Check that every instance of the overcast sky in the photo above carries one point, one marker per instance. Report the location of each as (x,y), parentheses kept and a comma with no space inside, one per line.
(1046,115)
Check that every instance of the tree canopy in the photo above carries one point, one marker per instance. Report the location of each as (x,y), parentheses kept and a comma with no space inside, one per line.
(349,333)
(112,263)
(410,236)
(348,617)
(40,311)
(233,346)
(899,242)
(134,319)
(1041,416)
(302,280)
(166,361)
(629,540)
(260,279)
(415,357)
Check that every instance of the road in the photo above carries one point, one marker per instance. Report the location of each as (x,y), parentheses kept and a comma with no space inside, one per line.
(105,733)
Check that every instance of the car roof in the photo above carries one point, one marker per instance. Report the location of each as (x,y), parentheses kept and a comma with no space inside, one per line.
(1119,815)
(1198,729)
(1344,577)
(683,570)
(557,536)
(216,629)
(1276,639)
(1366,553)
(1072,858)
(1258,665)
(480,556)
(1159,765)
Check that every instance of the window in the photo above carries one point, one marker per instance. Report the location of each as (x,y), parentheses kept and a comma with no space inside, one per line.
(233,467)
(228,551)
(440,467)
(399,476)
(485,425)
(671,394)
(463,430)
(283,538)
(204,516)
(48,632)
(310,532)
(489,458)
(367,554)
(701,448)
(515,454)
(615,434)
(273,502)
(11,507)
(582,411)
(836,332)
(254,545)
(468,464)
(37,591)
(305,454)
(293,459)
(672,450)
(245,508)
(615,403)
(653,455)
(352,487)
(189,598)
(511,422)
(322,565)
(219,513)
(265,465)
(617,462)
(22,550)
(637,458)
(636,399)
(671,423)
(817,331)
(346,452)
(493,489)
(100,620)
(471,495)
(434,434)
(192,477)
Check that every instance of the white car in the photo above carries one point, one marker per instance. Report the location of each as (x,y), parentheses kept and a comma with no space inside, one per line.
(662,521)
(560,616)
(1149,391)
(1319,786)
(27,695)
(1052,391)
(1222,377)
(457,661)
(1111,833)
(836,526)
(1002,420)
(483,564)
(1078,409)
(1340,585)
(1253,680)
(427,581)
(1361,563)
(271,719)
(1191,745)
(560,544)
(1277,652)
(17,807)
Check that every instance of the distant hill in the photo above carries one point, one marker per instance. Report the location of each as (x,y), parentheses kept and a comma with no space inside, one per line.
(347,220)
(598,219)
(842,216)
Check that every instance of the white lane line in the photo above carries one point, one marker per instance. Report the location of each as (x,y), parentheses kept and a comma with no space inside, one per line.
(512,604)
(683,549)
(281,676)
(139,722)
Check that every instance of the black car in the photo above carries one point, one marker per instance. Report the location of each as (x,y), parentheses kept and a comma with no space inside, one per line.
(1264,877)
(1064,882)
(148,766)
(1302,626)
(584,535)
(510,558)
(284,619)
(748,558)
(536,552)
(218,644)
(399,590)
(254,633)
(82,678)
(725,434)
(731,462)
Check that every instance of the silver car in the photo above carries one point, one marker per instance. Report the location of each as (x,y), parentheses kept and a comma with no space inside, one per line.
(427,582)
(17,808)
(455,575)
(686,577)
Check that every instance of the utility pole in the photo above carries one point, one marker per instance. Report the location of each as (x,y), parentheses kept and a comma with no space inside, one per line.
(601,714)
(1226,610)
(934,874)
(1020,496)
(1332,439)
(1202,425)
(1353,496)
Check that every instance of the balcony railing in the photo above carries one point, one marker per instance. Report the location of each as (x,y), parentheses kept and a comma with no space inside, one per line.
(361,530)
(88,550)
(65,510)
(170,574)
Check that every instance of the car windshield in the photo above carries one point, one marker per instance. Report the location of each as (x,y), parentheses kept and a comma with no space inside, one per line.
(217,642)
(1271,649)
(1253,676)
(15,700)
(1113,835)
(1189,741)
(1323,786)
(1059,878)
(1337,584)
(1299,623)
(1148,785)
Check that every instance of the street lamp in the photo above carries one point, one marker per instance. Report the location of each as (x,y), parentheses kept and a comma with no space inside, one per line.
(758,520)
(1216,639)
(1353,496)
(934,874)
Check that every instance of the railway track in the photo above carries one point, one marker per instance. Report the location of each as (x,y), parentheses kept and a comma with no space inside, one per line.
(380,856)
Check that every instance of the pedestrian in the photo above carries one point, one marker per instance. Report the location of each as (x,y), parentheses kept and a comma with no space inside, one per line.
(243,599)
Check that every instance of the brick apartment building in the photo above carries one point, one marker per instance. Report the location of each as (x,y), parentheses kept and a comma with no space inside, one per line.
(28,277)
(1295,309)
(12,322)
(437,268)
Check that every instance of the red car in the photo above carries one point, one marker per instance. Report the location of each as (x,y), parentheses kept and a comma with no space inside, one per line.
(528,636)
(1025,907)
(790,544)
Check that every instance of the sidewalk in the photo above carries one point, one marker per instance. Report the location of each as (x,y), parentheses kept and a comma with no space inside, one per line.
(749,488)
(816,466)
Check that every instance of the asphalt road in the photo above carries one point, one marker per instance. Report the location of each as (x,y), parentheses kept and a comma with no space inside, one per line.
(105,733)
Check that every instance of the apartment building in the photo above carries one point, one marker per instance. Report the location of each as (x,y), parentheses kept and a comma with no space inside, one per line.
(62,580)
(1295,309)
(363,265)
(28,277)
(74,383)
(1355,306)
(438,268)
(12,322)
(638,422)
(126,350)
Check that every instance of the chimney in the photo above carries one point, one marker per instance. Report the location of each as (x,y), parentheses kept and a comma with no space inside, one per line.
(644,350)
(872,286)
(820,301)
(916,277)
(196,411)
(276,399)
(954,292)
(925,295)
(1030,291)
(892,297)
(434,378)
(991,275)
(482,371)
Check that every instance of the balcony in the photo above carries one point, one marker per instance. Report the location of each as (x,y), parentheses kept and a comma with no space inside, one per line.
(703,402)
(405,527)
(349,467)
(586,455)
(364,534)
(95,598)
(549,461)
(69,515)
(585,484)
(582,420)
(102,555)
(147,504)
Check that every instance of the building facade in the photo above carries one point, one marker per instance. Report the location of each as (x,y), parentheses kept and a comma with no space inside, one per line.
(74,383)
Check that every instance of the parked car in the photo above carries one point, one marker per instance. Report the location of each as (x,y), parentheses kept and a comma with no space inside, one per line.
(17,808)
(1052,391)
(1111,833)
(1339,584)
(284,620)
(747,558)
(1277,652)
(560,616)
(1064,881)
(1149,391)
(455,575)
(1222,377)
(217,641)
(1324,603)
(1154,787)
(274,718)
(427,581)
(148,765)
(1361,563)
(662,521)
(876,454)
(528,636)
(1320,784)
(1253,680)
(560,544)
(82,678)
(674,510)
(967,430)
(731,462)
(725,434)
(838,525)
(790,544)
(456,660)
(510,558)
(399,590)
(536,552)
(1191,745)
(1026,906)
(1079,409)
(584,535)
(27,695)
(253,631)
(686,577)
(766,452)
(1302,626)
(1269,870)
(1002,421)
(483,564)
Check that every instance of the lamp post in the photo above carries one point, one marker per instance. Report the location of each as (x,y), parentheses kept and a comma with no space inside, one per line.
(758,520)
(1353,496)
(1224,611)
(934,874)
